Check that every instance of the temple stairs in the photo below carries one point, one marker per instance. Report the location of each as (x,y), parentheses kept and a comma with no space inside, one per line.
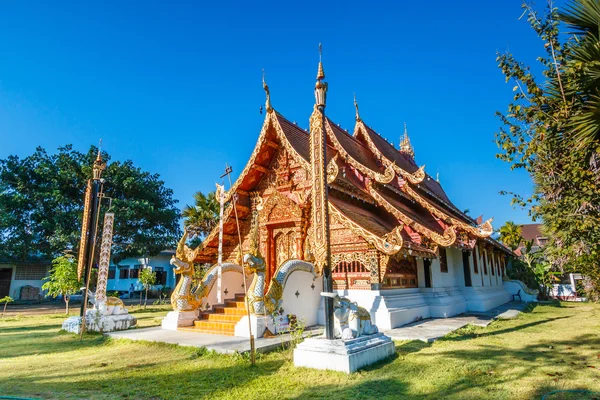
(221,320)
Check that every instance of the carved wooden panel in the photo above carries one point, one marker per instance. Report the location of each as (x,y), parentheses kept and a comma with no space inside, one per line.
(401,272)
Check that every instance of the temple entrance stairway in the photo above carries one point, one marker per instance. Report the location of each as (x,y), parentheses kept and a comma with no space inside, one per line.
(221,320)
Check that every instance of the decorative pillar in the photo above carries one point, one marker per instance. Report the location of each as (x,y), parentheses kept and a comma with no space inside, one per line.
(220,193)
(107,234)
(320,204)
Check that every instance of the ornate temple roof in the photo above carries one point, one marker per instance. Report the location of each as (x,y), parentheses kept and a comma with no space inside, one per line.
(375,190)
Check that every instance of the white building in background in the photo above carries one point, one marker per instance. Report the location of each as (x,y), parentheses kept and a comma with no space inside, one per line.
(126,273)
(24,281)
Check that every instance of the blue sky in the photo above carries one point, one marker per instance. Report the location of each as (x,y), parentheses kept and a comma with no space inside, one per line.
(176,86)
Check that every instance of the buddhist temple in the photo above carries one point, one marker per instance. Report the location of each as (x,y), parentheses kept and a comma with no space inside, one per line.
(399,247)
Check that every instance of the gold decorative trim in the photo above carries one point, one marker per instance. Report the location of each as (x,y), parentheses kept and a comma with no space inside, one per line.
(448,238)
(270,118)
(332,169)
(416,177)
(287,145)
(484,230)
(387,177)
(85,226)
(382,244)
(318,168)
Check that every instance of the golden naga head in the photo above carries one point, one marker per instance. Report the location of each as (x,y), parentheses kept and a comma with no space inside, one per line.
(183,260)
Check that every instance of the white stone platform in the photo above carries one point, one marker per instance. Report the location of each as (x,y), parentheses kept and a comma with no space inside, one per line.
(343,355)
(218,343)
(430,330)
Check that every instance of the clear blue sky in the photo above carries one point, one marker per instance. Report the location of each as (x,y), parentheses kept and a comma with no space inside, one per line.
(176,86)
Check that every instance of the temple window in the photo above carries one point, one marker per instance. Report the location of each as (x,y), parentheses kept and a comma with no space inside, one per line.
(351,275)
(111,272)
(443,260)
(475,268)
(123,273)
(134,273)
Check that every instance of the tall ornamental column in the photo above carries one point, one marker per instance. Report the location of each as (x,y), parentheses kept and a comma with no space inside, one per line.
(320,204)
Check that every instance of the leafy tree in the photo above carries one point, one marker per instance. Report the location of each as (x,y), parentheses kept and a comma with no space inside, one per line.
(6,300)
(63,279)
(148,279)
(510,234)
(41,203)
(543,130)
(201,218)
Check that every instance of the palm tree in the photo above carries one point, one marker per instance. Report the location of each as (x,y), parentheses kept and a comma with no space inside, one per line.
(583,87)
(201,218)
(510,234)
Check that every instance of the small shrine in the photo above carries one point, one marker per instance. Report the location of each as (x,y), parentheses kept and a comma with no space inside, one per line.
(400,249)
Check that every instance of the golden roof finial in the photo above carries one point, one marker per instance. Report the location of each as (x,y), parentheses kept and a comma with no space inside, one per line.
(99,165)
(320,86)
(356,106)
(320,72)
(405,145)
(266,88)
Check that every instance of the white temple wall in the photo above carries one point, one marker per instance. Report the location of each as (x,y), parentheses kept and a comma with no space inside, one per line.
(306,304)
(420,273)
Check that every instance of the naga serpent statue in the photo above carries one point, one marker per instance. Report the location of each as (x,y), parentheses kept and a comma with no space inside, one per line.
(185,297)
(269,302)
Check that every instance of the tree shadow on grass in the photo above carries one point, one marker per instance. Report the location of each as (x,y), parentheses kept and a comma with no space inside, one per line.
(375,389)
(28,328)
(553,361)
(413,346)
(145,381)
(471,335)
(49,342)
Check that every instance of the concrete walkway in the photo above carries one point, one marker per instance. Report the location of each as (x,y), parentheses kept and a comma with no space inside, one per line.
(218,343)
(427,331)
(430,330)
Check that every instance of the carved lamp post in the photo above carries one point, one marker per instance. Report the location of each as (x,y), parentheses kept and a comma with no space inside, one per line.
(320,193)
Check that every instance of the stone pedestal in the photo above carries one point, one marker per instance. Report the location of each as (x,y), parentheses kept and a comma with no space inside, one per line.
(259,324)
(343,355)
(176,319)
(96,322)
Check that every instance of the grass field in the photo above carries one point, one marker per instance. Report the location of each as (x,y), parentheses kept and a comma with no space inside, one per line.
(549,348)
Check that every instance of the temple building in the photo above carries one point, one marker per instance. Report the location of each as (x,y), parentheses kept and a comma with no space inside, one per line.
(399,246)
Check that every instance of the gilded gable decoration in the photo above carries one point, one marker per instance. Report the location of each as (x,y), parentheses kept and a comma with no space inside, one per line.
(380,243)
(332,169)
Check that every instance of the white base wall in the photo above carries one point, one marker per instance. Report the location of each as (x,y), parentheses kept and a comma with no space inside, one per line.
(445,302)
(259,324)
(396,307)
(483,298)
(176,319)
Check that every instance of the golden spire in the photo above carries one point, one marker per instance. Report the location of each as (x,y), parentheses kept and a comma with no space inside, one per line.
(320,86)
(266,88)
(405,145)
(99,165)
(356,106)
(320,72)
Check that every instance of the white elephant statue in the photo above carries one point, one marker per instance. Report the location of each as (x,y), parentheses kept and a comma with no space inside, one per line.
(111,306)
(350,320)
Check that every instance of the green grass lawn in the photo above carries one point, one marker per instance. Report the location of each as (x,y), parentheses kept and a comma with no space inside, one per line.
(549,348)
